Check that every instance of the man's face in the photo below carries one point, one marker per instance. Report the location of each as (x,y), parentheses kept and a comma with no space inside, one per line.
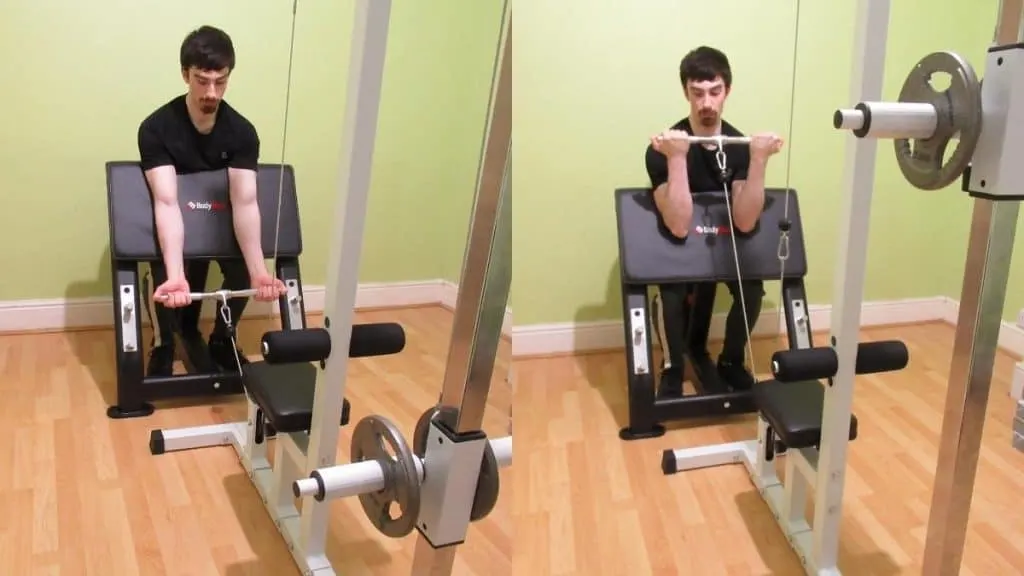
(707,98)
(206,87)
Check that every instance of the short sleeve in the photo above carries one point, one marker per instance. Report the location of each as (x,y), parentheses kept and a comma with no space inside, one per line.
(152,149)
(247,155)
(742,164)
(657,167)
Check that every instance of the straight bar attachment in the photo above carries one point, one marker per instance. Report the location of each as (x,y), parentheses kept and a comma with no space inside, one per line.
(217,295)
(719,139)
(222,294)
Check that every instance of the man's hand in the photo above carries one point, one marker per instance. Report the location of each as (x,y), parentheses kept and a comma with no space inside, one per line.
(174,293)
(672,143)
(764,145)
(267,287)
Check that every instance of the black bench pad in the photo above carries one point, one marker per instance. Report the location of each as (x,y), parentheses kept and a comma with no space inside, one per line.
(794,411)
(285,393)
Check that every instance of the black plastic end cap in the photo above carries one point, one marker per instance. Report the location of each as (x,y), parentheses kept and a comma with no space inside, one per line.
(668,463)
(156,442)
(837,119)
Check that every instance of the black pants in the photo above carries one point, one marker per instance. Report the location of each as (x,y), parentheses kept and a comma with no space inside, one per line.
(167,320)
(677,315)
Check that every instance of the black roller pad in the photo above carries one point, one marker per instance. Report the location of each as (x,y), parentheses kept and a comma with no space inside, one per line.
(285,393)
(205,211)
(794,411)
(650,254)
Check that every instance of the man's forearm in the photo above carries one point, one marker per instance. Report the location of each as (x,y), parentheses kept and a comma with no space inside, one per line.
(248,232)
(678,209)
(170,232)
(749,202)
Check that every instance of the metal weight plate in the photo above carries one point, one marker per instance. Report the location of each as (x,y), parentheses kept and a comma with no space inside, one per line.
(959,113)
(419,435)
(487,486)
(370,441)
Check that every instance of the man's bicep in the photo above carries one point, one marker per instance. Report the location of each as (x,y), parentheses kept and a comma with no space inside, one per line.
(660,194)
(242,184)
(163,184)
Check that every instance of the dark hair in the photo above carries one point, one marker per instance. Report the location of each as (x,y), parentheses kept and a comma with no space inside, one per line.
(207,48)
(704,64)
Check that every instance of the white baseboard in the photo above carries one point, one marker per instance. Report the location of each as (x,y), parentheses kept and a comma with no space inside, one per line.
(1017,383)
(450,296)
(1011,336)
(65,313)
(572,337)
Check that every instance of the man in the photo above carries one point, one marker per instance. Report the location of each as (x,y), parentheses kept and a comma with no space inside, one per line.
(677,170)
(194,132)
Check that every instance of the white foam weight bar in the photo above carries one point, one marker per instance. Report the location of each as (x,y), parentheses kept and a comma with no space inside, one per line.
(347,480)
(888,120)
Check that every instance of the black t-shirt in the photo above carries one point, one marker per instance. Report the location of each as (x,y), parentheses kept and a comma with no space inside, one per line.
(168,137)
(701,165)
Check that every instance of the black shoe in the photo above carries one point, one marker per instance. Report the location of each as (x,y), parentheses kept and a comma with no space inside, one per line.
(701,363)
(671,383)
(197,355)
(161,361)
(706,372)
(223,353)
(699,356)
(735,376)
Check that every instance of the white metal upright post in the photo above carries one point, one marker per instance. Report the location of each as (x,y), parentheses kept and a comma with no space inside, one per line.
(866,80)
(359,135)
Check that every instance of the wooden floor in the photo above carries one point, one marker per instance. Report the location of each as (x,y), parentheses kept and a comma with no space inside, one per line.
(587,503)
(81,495)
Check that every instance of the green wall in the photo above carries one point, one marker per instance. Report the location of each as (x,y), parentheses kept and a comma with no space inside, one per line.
(79,77)
(603,78)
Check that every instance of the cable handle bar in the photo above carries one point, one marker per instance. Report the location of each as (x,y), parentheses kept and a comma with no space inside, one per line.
(719,139)
(221,294)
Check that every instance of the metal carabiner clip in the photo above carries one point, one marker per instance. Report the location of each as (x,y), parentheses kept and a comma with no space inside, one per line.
(720,155)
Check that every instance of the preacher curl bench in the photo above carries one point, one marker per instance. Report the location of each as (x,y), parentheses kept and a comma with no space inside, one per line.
(650,255)
(209,235)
